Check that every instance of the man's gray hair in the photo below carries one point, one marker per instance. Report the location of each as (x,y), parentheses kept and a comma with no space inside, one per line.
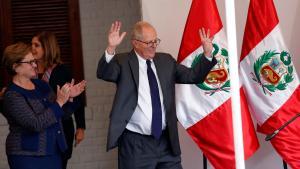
(137,30)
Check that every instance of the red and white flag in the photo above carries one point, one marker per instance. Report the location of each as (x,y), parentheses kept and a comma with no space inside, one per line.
(270,80)
(204,109)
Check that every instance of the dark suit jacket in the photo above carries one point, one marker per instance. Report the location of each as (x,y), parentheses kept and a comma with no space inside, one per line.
(123,70)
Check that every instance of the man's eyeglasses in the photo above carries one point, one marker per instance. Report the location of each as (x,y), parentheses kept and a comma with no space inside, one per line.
(31,62)
(151,43)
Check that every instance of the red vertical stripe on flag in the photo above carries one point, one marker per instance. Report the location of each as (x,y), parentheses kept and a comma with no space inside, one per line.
(197,19)
(261,20)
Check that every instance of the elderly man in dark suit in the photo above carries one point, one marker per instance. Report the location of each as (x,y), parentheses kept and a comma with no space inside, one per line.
(143,122)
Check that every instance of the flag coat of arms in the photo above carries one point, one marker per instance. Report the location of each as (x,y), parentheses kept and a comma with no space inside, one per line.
(270,81)
(204,109)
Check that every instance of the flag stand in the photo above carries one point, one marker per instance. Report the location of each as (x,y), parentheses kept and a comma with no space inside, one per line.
(284,165)
(204,162)
(270,136)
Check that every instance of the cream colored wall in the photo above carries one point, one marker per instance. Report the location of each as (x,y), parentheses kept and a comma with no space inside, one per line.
(168,16)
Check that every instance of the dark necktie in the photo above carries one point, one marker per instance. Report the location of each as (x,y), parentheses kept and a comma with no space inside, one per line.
(156,126)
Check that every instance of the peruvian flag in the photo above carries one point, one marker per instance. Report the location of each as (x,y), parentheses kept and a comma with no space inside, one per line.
(204,109)
(270,80)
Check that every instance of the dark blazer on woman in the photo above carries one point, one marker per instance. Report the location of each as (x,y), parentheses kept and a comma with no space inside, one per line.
(34,119)
(123,70)
(59,76)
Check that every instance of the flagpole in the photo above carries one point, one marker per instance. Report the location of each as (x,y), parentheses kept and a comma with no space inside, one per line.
(284,164)
(235,85)
(204,162)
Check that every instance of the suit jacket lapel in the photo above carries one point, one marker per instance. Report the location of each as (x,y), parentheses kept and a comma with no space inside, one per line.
(134,66)
(160,73)
(159,70)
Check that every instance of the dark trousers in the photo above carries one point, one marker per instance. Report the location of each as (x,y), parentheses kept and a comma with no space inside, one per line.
(137,151)
(34,162)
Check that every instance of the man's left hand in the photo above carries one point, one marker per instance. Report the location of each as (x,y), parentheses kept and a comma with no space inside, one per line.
(206,42)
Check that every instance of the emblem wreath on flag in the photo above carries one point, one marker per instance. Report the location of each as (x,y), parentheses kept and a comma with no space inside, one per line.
(273,71)
(218,78)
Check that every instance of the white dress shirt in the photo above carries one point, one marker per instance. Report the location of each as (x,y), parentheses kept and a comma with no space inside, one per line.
(141,118)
